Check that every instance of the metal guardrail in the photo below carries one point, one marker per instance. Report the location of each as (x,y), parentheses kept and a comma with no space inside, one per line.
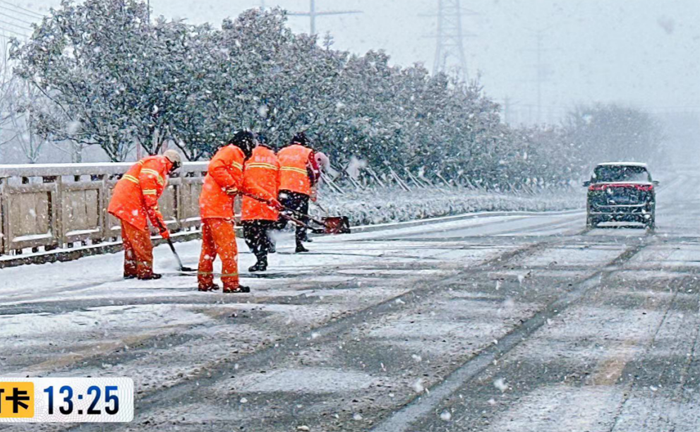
(59,206)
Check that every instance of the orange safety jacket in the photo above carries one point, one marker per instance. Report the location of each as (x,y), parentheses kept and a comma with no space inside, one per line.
(295,161)
(223,181)
(261,170)
(135,197)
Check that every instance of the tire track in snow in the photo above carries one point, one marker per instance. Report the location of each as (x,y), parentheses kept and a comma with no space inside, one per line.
(422,406)
(330,330)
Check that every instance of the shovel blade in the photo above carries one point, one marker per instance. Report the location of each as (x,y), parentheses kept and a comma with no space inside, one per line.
(336,225)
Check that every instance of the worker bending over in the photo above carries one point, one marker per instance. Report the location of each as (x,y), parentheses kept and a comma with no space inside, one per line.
(134,200)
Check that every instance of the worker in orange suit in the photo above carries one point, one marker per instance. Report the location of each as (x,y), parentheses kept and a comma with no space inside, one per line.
(259,218)
(299,172)
(223,182)
(134,201)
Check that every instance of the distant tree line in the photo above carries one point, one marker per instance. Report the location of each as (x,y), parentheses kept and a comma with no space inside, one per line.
(104,75)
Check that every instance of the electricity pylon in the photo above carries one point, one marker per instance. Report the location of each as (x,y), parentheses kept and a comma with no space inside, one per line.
(450,38)
(313,14)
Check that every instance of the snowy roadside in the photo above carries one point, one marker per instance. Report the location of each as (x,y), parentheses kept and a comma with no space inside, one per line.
(377,209)
(387,205)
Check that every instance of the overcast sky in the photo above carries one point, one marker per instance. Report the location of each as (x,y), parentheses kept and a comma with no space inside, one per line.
(639,52)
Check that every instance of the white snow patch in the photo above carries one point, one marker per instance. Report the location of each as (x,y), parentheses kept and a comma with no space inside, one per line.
(418,386)
(500,384)
(311,380)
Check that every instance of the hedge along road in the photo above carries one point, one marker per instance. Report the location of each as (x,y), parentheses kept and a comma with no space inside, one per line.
(523,322)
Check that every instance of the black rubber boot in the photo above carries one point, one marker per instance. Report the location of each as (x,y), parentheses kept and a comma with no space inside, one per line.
(212,287)
(301,248)
(259,266)
(240,290)
(152,276)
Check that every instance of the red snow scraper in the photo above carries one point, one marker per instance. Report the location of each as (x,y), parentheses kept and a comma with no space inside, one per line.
(331,225)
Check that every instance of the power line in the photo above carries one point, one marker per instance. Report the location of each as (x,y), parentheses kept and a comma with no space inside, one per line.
(14,18)
(15,25)
(23,11)
(2,29)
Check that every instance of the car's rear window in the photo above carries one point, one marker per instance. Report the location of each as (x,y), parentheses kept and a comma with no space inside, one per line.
(621,173)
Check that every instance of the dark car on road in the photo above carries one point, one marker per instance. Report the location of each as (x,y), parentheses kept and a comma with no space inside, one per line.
(621,192)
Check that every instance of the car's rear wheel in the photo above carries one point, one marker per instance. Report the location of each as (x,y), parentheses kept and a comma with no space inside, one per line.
(651,222)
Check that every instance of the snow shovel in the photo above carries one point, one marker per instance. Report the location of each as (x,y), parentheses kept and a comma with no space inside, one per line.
(183,269)
(333,224)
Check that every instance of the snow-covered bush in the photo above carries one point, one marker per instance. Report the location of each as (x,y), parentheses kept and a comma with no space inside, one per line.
(391,204)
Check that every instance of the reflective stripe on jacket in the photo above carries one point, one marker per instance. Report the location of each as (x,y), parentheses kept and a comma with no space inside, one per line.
(225,173)
(223,181)
(262,170)
(135,196)
(294,169)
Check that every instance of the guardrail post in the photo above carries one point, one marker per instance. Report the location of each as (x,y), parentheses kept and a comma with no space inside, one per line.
(56,212)
(102,208)
(4,219)
(179,199)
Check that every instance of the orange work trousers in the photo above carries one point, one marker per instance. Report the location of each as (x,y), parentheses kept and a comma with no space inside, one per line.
(218,238)
(138,251)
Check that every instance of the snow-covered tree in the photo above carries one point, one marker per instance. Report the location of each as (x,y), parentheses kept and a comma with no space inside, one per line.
(118,80)
(92,62)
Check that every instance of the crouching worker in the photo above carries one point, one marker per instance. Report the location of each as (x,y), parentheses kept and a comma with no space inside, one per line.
(258,217)
(223,182)
(134,200)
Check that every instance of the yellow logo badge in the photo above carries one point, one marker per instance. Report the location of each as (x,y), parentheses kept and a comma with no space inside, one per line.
(16,399)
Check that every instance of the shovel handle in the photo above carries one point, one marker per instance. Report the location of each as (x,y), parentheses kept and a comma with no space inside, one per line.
(296,221)
(177,257)
(291,218)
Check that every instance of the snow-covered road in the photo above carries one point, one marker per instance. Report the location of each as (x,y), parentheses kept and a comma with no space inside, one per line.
(504,322)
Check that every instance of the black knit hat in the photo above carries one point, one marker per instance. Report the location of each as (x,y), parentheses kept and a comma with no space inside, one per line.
(300,138)
(245,141)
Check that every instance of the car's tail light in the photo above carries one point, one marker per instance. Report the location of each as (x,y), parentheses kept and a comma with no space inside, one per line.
(602,187)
